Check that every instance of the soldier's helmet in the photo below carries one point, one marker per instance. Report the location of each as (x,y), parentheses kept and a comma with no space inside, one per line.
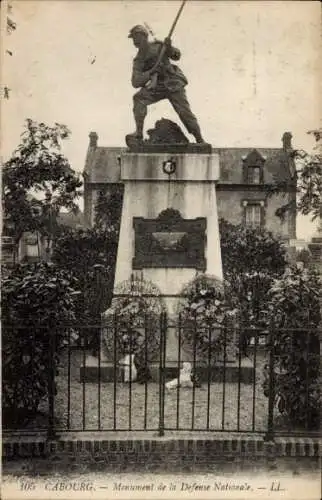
(138,29)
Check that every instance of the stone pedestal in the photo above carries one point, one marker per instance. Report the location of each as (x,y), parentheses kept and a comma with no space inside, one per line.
(148,191)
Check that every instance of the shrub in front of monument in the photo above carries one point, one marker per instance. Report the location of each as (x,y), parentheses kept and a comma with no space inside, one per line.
(294,314)
(251,259)
(38,300)
(132,325)
(207,317)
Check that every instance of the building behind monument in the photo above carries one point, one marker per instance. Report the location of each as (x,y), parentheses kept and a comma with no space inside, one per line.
(245,174)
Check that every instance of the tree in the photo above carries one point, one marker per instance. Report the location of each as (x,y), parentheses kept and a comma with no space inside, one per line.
(38,181)
(309,181)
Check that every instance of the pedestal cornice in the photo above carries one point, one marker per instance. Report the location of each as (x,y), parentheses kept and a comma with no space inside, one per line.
(188,167)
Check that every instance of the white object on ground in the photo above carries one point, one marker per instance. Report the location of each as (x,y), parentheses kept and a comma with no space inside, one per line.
(184,379)
(129,370)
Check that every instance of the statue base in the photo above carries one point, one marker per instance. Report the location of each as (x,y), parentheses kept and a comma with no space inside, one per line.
(137,146)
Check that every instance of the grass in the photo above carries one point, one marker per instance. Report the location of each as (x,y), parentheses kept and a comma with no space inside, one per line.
(88,406)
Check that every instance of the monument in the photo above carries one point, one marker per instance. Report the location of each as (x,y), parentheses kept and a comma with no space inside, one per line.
(169,232)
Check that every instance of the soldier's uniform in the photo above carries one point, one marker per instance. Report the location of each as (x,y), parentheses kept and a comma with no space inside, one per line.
(170,85)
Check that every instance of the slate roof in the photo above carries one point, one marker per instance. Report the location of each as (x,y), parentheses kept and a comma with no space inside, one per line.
(102,164)
(276,165)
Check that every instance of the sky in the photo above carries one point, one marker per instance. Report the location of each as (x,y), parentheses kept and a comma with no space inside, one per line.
(252,68)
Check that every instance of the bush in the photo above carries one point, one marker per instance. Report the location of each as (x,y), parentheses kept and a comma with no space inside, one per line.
(294,313)
(250,250)
(303,256)
(90,256)
(206,312)
(37,302)
(251,259)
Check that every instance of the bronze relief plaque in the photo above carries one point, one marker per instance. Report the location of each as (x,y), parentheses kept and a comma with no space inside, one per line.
(169,241)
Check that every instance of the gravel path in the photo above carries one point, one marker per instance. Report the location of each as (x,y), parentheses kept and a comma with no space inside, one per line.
(92,407)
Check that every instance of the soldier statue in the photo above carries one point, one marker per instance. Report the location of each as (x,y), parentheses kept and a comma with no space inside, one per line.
(158,79)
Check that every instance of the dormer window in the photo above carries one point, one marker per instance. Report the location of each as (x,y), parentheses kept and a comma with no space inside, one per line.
(253,175)
(253,167)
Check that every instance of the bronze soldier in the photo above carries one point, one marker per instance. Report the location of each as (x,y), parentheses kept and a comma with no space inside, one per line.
(170,82)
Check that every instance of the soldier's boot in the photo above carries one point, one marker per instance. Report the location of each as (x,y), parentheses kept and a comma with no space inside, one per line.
(197,135)
(137,136)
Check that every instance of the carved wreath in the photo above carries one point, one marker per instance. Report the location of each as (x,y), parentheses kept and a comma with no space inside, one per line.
(206,315)
(132,324)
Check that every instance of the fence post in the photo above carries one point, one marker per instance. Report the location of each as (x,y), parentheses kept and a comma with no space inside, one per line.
(269,436)
(51,385)
(161,372)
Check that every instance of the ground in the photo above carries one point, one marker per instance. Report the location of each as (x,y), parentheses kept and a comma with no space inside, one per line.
(89,406)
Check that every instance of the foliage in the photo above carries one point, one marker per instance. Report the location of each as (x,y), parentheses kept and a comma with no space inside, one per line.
(38,181)
(244,249)
(90,254)
(205,313)
(251,259)
(108,210)
(309,181)
(304,256)
(37,302)
(132,324)
(294,314)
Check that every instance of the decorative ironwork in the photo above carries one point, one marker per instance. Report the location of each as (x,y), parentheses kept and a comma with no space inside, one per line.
(132,325)
(169,241)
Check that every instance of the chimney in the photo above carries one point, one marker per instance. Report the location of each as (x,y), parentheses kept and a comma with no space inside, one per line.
(287,141)
(93,137)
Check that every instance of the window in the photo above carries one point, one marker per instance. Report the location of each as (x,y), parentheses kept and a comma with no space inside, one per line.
(253,214)
(253,167)
(253,175)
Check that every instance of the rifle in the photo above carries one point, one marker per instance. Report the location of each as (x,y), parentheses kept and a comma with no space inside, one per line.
(152,83)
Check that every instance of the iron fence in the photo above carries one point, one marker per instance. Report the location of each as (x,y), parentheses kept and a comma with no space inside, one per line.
(129,388)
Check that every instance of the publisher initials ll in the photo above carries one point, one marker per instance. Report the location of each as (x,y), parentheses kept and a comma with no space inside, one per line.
(276,486)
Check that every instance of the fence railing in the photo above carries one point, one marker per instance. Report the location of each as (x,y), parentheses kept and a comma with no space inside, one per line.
(181,380)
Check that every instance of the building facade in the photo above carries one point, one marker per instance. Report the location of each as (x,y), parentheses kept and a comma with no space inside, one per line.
(245,174)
